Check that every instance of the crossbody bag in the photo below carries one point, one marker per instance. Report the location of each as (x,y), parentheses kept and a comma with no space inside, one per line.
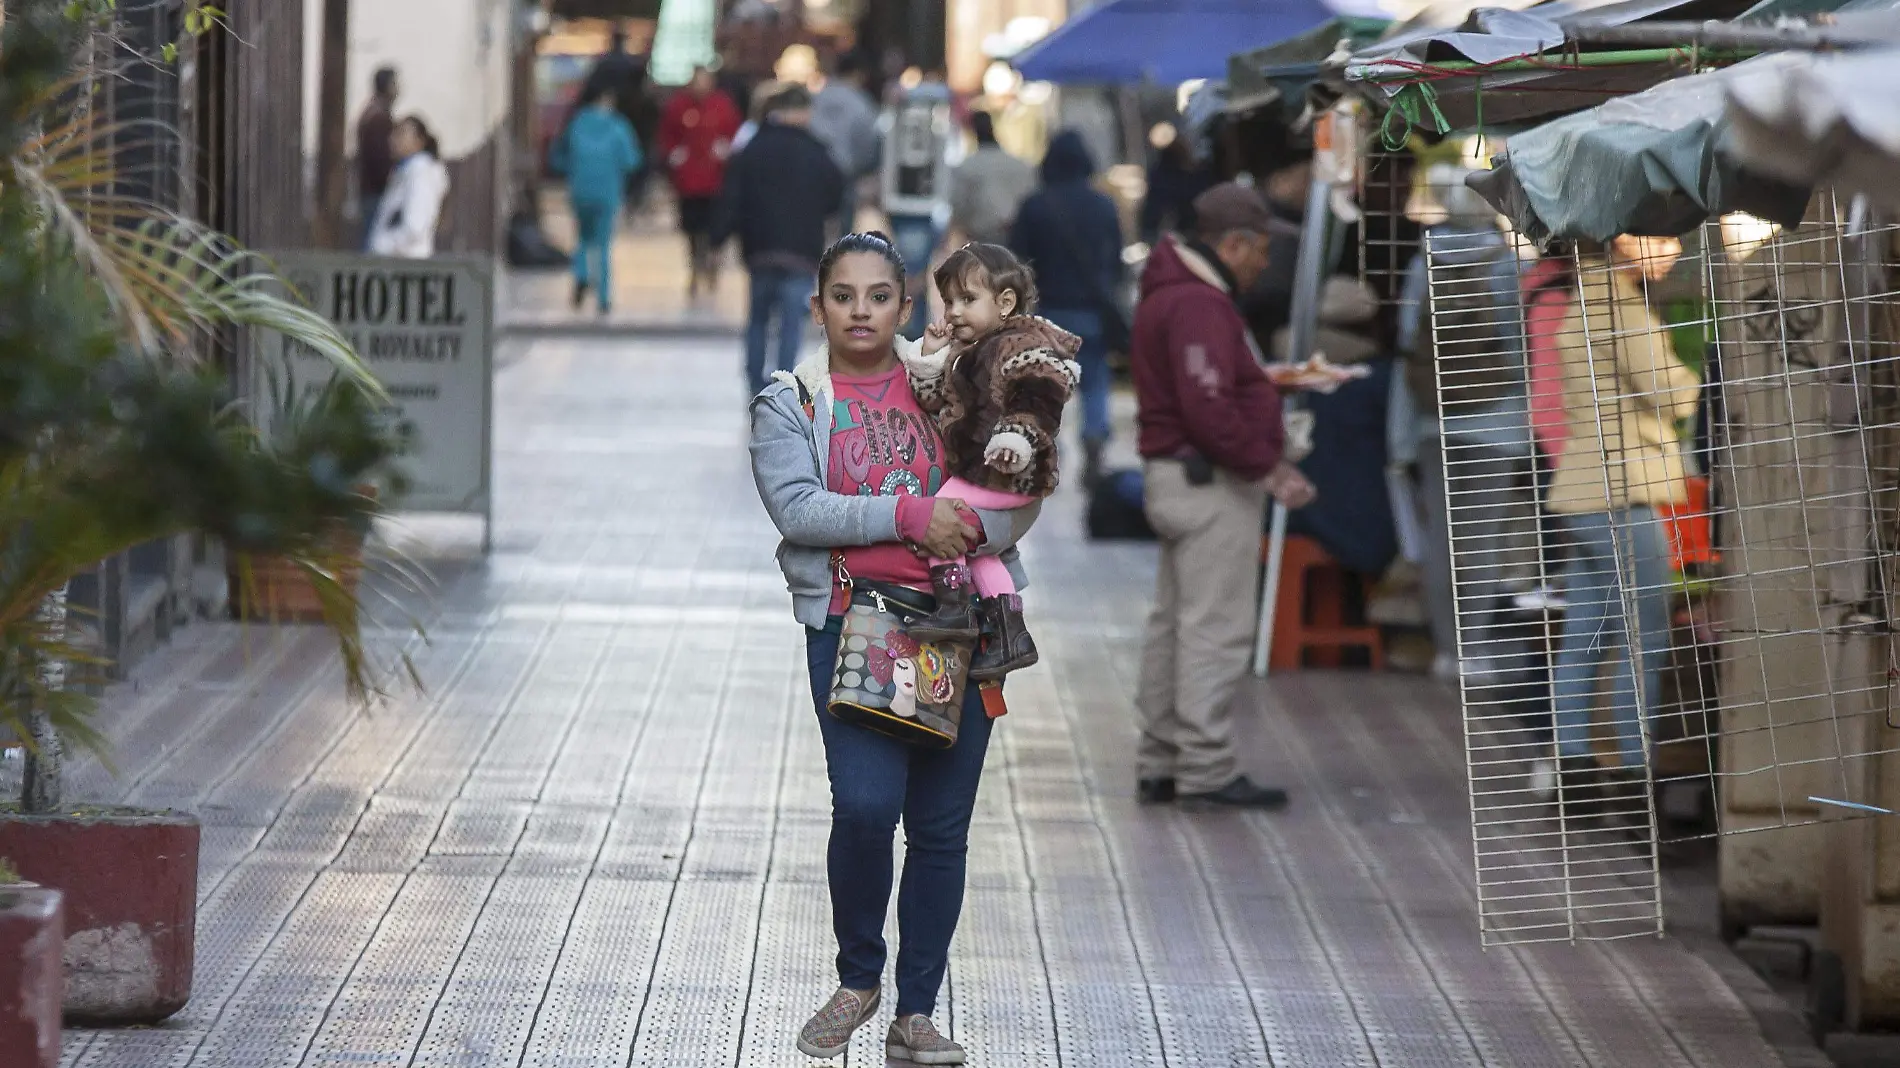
(887,681)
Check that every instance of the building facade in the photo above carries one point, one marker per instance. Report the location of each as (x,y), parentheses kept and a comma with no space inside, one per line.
(456,60)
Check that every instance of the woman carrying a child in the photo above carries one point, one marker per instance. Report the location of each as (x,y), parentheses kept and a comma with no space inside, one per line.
(850,463)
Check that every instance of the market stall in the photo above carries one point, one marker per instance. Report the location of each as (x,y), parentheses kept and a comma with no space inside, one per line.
(1751,346)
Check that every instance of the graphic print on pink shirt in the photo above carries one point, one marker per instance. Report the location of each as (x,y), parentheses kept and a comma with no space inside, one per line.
(882,445)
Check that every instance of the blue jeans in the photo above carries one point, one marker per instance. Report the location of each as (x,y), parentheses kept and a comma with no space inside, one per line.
(1594,585)
(1086,323)
(875,780)
(594,252)
(785,296)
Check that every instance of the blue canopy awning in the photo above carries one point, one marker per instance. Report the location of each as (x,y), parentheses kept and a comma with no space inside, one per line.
(1122,42)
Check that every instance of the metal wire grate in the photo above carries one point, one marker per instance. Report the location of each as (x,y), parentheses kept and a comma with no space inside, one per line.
(1686,448)
(1387,232)
(1798,689)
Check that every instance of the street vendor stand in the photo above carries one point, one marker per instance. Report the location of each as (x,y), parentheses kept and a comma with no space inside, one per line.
(1728,134)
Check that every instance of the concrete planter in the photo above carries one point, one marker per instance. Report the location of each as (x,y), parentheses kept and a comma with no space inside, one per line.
(130,884)
(30,981)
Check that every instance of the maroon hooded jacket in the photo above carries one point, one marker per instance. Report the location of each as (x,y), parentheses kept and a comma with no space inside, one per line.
(1197,377)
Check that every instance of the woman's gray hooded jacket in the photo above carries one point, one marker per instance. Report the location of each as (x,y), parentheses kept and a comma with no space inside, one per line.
(789,455)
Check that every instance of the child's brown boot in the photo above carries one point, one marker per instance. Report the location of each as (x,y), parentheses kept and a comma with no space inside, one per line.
(955,617)
(1006,645)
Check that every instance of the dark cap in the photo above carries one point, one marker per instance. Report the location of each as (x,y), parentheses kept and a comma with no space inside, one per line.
(1231,206)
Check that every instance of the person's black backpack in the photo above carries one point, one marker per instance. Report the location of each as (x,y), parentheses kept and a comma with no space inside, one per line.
(1115,508)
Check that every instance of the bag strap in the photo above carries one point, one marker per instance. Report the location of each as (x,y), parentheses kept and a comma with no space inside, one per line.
(805,398)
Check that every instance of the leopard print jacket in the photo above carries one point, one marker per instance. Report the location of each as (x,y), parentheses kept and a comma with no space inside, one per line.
(1005,391)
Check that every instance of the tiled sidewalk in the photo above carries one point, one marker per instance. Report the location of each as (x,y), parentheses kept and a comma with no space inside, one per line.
(599,838)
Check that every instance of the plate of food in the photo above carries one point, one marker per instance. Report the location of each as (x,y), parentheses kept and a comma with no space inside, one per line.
(1317,374)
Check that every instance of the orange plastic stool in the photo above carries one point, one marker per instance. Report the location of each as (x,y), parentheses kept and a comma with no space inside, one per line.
(1309,615)
(1689,526)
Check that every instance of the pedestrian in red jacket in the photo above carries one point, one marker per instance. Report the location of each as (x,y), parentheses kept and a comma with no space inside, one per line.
(695,142)
(1212,442)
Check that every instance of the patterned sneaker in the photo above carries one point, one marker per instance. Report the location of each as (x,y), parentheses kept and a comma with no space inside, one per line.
(915,1039)
(829,1032)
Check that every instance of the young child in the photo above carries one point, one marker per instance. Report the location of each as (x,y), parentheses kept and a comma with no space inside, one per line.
(995,378)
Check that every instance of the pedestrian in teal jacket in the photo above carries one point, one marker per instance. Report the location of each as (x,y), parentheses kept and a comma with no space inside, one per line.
(596,153)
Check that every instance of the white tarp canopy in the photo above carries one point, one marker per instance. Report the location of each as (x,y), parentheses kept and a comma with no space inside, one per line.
(1825,120)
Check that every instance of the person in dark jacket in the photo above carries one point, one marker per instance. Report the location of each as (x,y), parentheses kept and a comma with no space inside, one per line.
(1268,304)
(1174,180)
(617,71)
(374,162)
(624,75)
(1070,233)
(1212,442)
(780,193)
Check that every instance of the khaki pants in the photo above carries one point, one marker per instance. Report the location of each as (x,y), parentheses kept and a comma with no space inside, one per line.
(1200,635)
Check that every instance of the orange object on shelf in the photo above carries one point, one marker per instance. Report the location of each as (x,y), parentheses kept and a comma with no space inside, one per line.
(1691,534)
(1309,615)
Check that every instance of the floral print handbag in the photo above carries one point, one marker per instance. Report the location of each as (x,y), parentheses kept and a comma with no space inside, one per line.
(888,682)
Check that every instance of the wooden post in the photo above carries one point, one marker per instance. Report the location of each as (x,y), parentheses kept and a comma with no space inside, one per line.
(333,123)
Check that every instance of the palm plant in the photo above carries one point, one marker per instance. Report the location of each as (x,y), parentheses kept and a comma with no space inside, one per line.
(113,431)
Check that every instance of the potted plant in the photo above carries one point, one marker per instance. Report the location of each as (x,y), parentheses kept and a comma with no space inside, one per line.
(114,434)
(30,982)
(275,587)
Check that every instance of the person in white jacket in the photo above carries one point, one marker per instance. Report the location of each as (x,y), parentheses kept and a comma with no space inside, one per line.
(406,219)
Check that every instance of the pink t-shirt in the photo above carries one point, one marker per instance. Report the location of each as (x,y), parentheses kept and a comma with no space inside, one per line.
(882,444)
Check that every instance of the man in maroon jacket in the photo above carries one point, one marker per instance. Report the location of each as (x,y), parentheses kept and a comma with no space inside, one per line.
(1212,441)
